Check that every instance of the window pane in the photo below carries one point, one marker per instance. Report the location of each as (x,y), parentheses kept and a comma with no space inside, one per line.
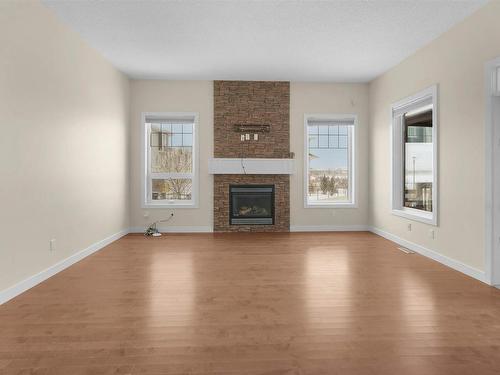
(342,141)
(155,127)
(171,189)
(419,134)
(323,141)
(187,128)
(334,142)
(334,130)
(312,129)
(323,129)
(313,141)
(418,164)
(166,128)
(176,128)
(176,140)
(171,159)
(329,170)
(187,139)
(343,130)
(155,139)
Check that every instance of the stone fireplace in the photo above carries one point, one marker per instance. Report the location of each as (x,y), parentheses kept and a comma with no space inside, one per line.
(251,156)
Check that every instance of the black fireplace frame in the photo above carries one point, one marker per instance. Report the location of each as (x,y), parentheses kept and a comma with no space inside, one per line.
(234,220)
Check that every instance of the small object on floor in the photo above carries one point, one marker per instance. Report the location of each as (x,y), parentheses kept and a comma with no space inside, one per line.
(405,250)
(153,231)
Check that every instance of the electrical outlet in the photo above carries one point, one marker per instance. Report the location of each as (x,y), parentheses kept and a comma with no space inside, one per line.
(52,244)
(432,234)
(409,227)
(145,214)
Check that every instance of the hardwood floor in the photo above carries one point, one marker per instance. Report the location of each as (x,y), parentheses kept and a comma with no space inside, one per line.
(300,303)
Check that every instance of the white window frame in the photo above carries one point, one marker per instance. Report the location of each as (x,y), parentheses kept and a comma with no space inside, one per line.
(496,81)
(146,201)
(352,160)
(492,174)
(424,97)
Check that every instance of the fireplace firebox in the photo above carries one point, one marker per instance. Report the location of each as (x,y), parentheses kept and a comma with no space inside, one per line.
(251,204)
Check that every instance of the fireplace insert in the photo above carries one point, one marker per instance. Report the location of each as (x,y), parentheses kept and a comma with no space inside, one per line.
(251,204)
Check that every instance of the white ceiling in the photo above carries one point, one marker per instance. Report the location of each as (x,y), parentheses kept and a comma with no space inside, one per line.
(342,41)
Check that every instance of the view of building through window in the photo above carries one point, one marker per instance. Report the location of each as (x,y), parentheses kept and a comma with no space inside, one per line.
(171,160)
(418,154)
(329,150)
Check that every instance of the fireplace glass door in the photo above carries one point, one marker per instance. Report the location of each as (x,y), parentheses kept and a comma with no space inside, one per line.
(251,204)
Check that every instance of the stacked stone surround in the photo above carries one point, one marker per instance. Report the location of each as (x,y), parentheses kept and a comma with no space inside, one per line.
(281,202)
(255,103)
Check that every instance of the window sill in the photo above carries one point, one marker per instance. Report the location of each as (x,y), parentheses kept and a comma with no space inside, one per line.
(331,205)
(416,215)
(169,205)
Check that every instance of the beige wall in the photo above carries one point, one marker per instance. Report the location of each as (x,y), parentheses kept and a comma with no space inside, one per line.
(328,98)
(63,148)
(197,96)
(454,61)
(173,96)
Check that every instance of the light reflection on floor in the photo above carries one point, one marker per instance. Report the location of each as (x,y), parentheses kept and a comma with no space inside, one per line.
(327,277)
(172,286)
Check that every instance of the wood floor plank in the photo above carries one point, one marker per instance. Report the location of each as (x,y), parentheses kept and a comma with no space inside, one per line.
(241,303)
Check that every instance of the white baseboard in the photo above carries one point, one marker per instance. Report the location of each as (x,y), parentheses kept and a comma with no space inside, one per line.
(176,229)
(293,228)
(30,282)
(443,259)
(329,228)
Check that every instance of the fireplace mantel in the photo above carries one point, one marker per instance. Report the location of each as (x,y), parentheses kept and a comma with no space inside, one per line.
(250,166)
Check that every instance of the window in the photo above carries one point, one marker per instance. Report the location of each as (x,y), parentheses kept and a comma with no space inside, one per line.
(170,163)
(329,161)
(414,162)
